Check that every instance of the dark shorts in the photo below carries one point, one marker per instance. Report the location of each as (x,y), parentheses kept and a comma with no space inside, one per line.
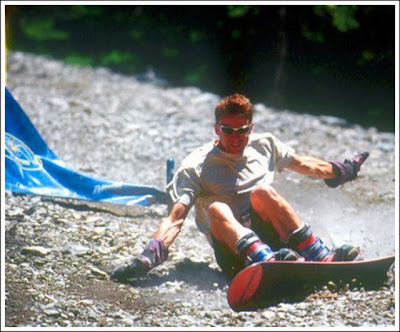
(230,262)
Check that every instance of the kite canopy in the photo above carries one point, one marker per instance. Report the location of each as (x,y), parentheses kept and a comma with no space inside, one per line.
(31,167)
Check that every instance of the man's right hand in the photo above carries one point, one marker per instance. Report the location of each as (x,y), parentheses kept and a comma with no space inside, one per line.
(135,267)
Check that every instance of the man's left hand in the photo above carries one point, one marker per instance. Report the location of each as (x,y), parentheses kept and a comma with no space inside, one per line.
(346,171)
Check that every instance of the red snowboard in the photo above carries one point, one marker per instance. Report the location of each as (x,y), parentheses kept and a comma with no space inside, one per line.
(263,284)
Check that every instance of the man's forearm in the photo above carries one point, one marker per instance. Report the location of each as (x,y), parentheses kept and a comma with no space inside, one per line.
(170,227)
(168,230)
(334,173)
(313,167)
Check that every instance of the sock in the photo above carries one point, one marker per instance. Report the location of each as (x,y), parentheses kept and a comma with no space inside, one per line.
(309,246)
(258,251)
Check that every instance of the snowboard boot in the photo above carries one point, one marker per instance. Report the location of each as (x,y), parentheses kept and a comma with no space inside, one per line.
(253,250)
(313,249)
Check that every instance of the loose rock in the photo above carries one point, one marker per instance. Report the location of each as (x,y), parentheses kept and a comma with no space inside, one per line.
(104,124)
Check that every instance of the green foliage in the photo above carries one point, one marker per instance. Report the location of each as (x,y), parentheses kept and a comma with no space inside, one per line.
(136,34)
(366,56)
(370,56)
(116,57)
(42,29)
(237,11)
(236,33)
(314,36)
(196,35)
(197,74)
(343,17)
(218,48)
(79,60)
(170,52)
(84,11)
(241,11)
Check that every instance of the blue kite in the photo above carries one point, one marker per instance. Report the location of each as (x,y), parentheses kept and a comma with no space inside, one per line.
(31,167)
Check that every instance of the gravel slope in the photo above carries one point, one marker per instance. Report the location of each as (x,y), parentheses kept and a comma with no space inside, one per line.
(58,252)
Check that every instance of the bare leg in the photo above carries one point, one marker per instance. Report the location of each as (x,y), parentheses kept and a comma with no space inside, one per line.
(228,231)
(224,226)
(273,208)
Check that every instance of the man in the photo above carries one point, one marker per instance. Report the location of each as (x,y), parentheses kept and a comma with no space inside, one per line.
(243,217)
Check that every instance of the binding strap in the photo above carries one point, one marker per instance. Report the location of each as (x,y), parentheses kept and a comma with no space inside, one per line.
(251,247)
(309,246)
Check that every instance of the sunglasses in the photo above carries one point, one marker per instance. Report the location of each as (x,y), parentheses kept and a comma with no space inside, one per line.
(229,130)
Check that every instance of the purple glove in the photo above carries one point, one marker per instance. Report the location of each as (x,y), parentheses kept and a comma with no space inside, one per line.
(156,252)
(346,171)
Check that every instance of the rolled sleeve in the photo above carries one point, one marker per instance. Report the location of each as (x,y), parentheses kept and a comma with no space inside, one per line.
(185,186)
(284,156)
(281,153)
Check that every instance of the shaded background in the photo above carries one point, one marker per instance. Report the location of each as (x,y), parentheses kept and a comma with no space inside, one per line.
(331,60)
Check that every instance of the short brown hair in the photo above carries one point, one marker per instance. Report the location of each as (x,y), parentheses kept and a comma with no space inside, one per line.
(234,104)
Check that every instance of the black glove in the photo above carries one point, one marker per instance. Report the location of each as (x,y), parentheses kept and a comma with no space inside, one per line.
(154,254)
(133,268)
(346,171)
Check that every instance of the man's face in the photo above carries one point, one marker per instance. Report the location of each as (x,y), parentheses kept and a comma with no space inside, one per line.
(235,141)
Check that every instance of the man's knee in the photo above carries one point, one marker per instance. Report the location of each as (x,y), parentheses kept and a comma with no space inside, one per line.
(220,215)
(217,211)
(263,194)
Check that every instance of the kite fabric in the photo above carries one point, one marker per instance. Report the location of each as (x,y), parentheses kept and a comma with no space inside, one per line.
(31,167)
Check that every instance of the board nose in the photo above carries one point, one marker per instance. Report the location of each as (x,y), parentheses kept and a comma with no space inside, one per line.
(245,286)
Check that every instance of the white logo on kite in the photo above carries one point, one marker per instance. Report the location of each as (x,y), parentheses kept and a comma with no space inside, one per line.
(20,153)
